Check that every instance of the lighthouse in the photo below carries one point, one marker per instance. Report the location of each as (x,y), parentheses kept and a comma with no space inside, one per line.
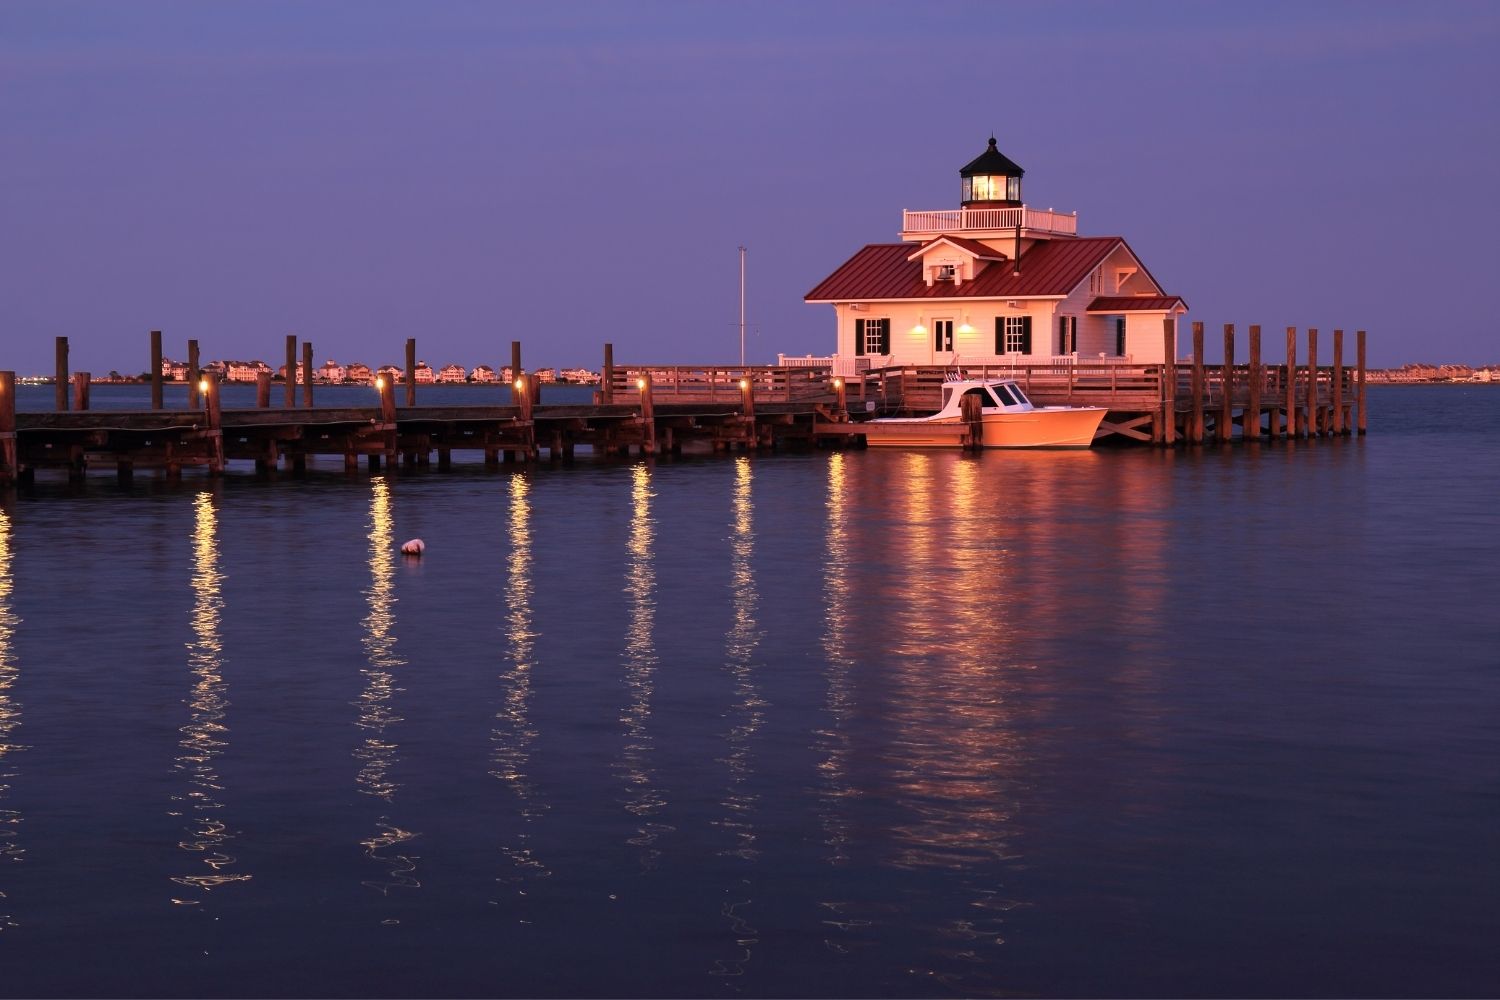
(991,180)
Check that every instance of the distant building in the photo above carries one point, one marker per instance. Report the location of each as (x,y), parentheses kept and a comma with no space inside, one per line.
(423,374)
(244,371)
(484,374)
(174,371)
(391,373)
(452,373)
(546,374)
(332,372)
(359,374)
(580,376)
(994,281)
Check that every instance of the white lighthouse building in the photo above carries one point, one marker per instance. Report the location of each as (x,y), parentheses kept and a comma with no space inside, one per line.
(995,281)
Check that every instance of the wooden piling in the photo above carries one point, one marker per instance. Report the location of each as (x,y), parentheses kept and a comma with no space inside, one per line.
(747,410)
(607,383)
(263,390)
(291,371)
(1226,404)
(971,414)
(215,416)
(841,399)
(307,374)
(387,400)
(1168,434)
(155,369)
(411,371)
(60,379)
(1313,426)
(1359,347)
(1336,391)
(1293,426)
(515,360)
(648,415)
(1195,431)
(9,470)
(193,374)
(1250,421)
(81,390)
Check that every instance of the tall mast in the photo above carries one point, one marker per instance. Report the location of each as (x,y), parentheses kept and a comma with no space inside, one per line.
(742,307)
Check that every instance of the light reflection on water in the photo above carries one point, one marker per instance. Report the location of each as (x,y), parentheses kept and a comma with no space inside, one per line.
(206,735)
(387,846)
(10,716)
(746,715)
(643,799)
(514,733)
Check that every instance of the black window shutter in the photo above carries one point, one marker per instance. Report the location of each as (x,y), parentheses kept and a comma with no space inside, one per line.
(1025,334)
(1062,335)
(999,334)
(859,336)
(885,336)
(1120,336)
(1073,338)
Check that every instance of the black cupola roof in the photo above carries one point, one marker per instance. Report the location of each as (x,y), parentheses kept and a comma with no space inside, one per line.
(992,161)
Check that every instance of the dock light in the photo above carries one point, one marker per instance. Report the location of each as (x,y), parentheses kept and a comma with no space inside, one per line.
(919,330)
(838,383)
(203,385)
(520,382)
(640,384)
(744,383)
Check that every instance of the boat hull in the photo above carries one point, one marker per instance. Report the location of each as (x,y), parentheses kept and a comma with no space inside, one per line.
(1046,427)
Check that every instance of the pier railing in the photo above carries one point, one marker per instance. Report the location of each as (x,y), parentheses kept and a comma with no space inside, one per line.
(710,383)
(957,220)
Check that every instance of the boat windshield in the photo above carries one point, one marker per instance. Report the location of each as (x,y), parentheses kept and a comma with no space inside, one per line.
(1003,394)
(1021,396)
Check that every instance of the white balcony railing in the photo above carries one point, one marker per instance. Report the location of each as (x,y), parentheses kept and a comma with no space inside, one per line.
(958,220)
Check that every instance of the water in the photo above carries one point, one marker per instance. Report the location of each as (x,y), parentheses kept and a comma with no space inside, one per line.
(1122,722)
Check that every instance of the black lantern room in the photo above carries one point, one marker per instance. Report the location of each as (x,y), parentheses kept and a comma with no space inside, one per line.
(991,180)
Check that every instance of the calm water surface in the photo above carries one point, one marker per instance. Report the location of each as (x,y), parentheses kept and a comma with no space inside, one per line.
(1119,722)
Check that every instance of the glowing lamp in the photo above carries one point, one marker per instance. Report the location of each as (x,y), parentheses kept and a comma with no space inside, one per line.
(838,383)
(380,383)
(640,384)
(520,382)
(744,383)
(203,385)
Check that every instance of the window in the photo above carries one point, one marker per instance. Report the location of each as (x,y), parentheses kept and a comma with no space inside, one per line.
(1012,189)
(1002,393)
(872,336)
(1067,334)
(1120,336)
(1012,334)
(942,335)
(1096,281)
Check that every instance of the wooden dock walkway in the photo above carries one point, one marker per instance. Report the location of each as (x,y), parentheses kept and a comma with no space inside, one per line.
(659,409)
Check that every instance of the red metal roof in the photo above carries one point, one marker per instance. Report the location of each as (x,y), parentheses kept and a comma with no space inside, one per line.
(981,250)
(1135,303)
(882,271)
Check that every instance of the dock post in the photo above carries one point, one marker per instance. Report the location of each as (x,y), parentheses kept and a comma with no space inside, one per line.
(1359,347)
(215,426)
(1292,423)
(1226,406)
(155,369)
(290,385)
(524,388)
(411,371)
(1168,433)
(648,414)
(193,375)
(1314,423)
(1195,433)
(81,390)
(263,390)
(1250,420)
(307,374)
(387,389)
(747,411)
(971,413)
(9,471)
(1336,393)
(607,383)
(60,380)
(841,399)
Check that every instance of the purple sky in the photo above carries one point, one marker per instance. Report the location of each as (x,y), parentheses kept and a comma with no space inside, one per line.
(567,174)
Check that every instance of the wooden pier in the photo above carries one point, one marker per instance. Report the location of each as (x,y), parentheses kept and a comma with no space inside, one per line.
(660,409)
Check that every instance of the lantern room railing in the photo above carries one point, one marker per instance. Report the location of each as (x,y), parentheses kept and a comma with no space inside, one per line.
(958,220)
